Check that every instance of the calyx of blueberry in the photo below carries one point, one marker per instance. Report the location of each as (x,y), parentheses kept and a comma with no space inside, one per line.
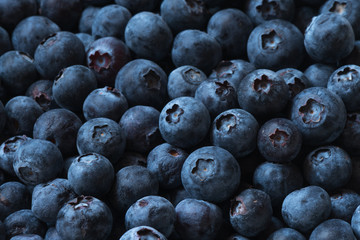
(312,111)
(226,122)
(237,207)
(279,138)
(262,84)
(203,168)
(100,61)
(174,113)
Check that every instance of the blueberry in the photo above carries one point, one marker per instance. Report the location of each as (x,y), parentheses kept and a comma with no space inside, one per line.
(184,14)
(343,204)
(329,167)
(131,184)
(52,234)
(142,232)
(31,31)
(84,217)
(197,219)
(105,102)
(14,197)
(143,82)
(148,36)
(183,81)
(232,71)
(109,21)
(260,11)
(276,44)
(329,38)
(48,198)
(102,136)
(295,79)
(318,74)
(87,18)
(333,229)
(37,161)
(196,48)
(250,212)
(211,174)
(22,113)
(348,140)
(5,43)
(231,28)
(305,208)
(72,85)
(262,93)
(347,9)
(17,72)
(277,180)
(24,222)
(63,12)
(279,140)
(141,213)
(27,237)
(58,51)
(235,130)
(319,114)
(41,92)
(218,95)
(141,127)
(59,126)
(106,56)
(165,162)
(286,233)
(91,174)
(12,12)
(8,151)
(345,82)
(184,122)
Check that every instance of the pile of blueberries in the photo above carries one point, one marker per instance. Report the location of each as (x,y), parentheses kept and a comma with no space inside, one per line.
(179,119)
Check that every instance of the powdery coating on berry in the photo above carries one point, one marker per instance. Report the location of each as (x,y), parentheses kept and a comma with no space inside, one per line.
(262,84)
(99,61)
(173,114)
(312,111)
(279,138)
(226,122)
(270,40)
(204,168)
